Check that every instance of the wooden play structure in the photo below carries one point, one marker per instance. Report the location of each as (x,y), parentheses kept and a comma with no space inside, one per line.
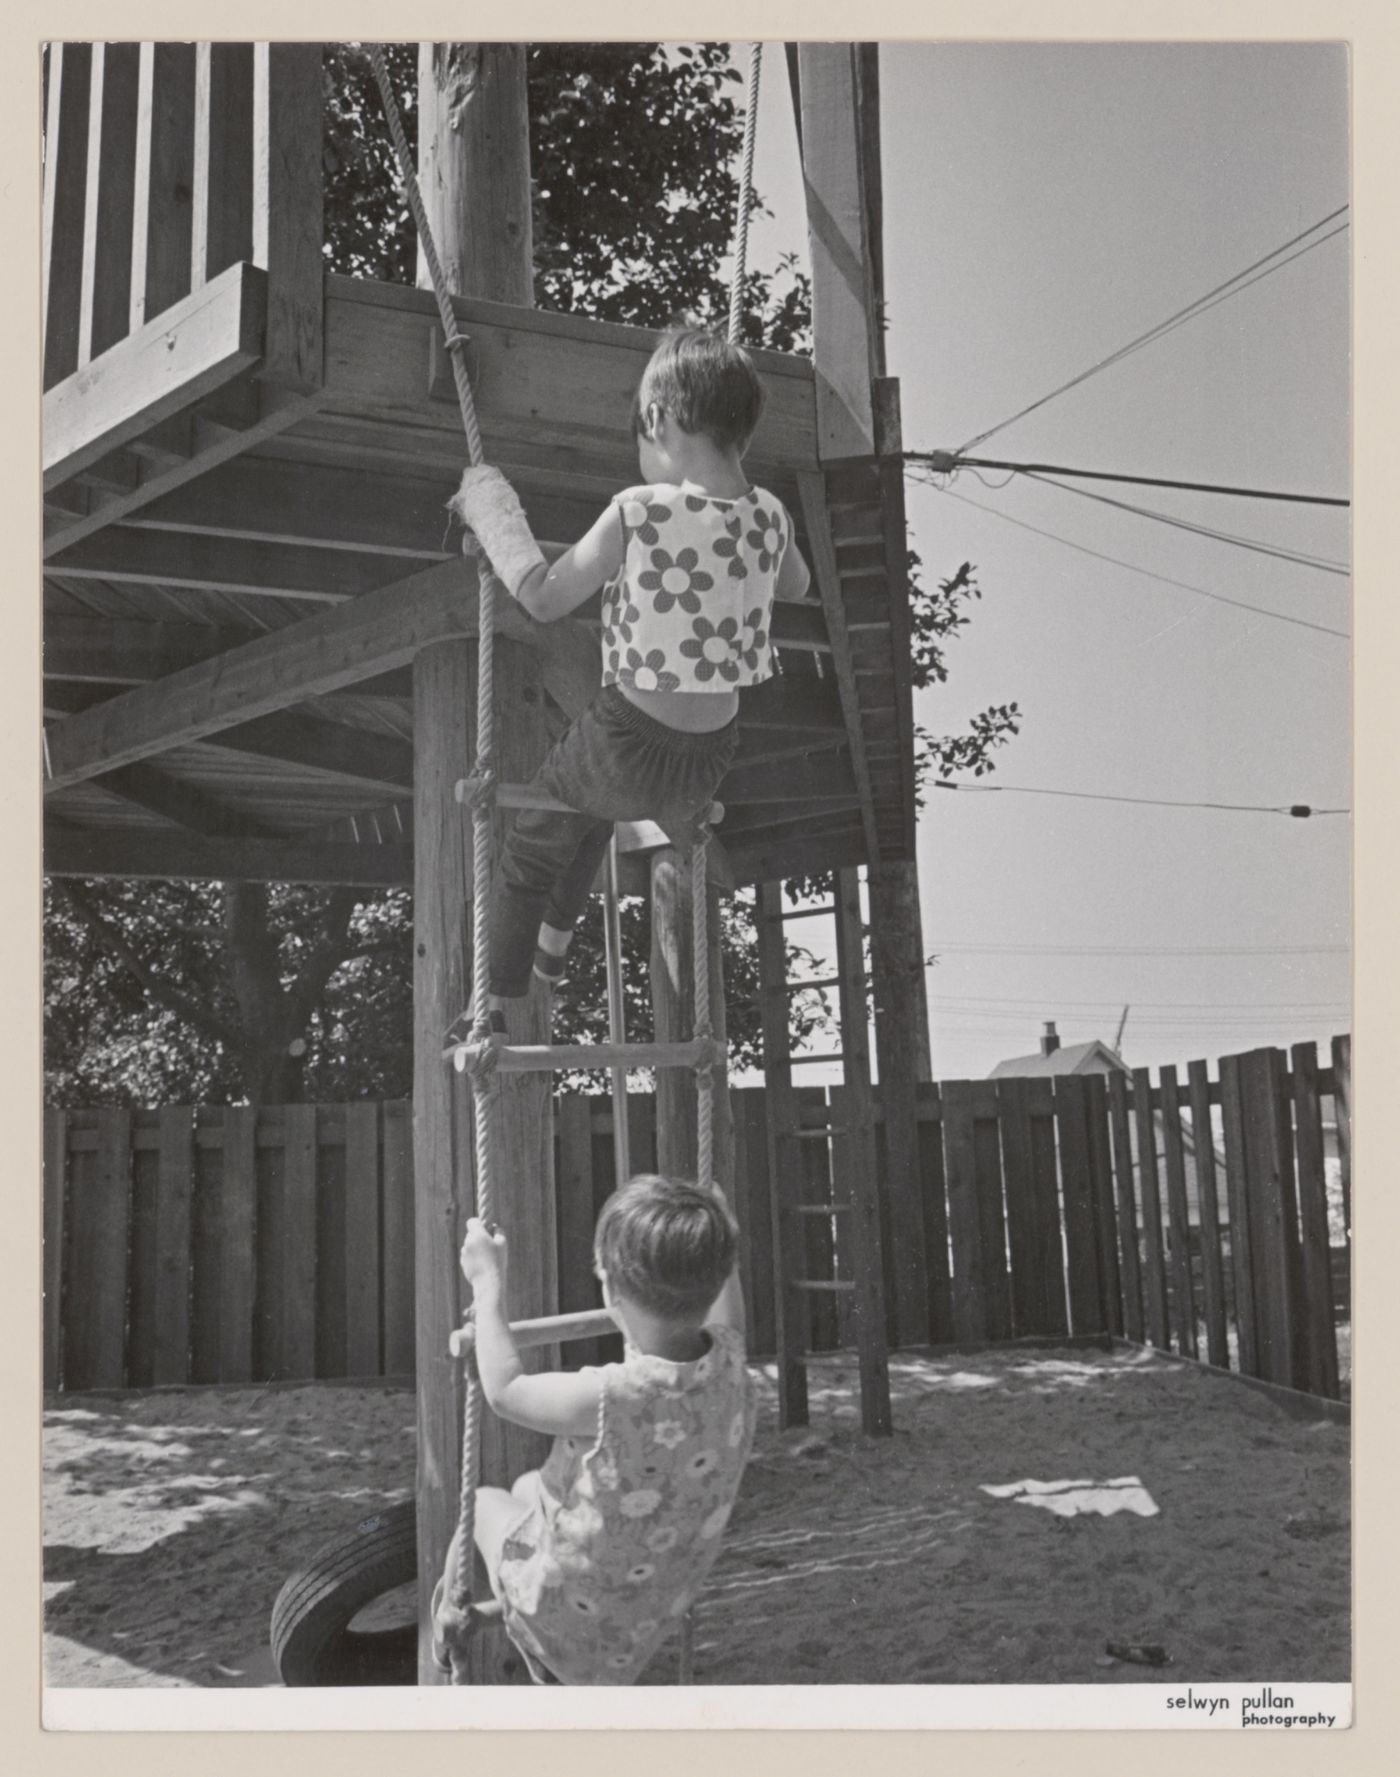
(260,646)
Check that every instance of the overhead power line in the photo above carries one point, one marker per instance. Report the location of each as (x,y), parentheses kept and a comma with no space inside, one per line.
(1297,810)
(1077,1006)
(1221,292)
(1256,546)
(945,461)
(1138,949)
(1219,598)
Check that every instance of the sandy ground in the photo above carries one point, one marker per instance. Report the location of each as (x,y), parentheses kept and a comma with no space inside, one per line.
(171,1520)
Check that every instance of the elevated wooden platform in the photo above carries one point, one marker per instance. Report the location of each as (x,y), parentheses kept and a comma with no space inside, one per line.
(246,466)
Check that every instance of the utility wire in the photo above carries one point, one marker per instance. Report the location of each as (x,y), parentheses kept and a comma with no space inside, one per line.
(945,461)
(1255,545)
(1139,949)
(1072,1006)
(1219,598)
(1231,287)
(1298,810)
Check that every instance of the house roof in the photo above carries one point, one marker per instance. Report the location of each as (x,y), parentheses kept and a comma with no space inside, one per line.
(1070,1058)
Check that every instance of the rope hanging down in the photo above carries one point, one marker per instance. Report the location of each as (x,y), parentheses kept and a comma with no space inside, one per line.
(459,1616)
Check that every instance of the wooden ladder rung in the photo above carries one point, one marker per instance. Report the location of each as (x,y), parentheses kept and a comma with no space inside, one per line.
(544,1058)
(821,1209)
(822,1134)
(830,1283)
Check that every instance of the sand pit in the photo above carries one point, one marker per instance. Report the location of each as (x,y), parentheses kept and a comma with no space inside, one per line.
(171,1520)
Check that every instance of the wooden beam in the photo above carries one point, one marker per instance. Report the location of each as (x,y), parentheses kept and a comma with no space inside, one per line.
(784,1168)
(65,174)
(105,302)
(543,379)
(793,703)
(288,204)
(119,651)
(73,851)
(201,343)
(334,648)
(813,491)
(137,555)
(162,218)
(843,296)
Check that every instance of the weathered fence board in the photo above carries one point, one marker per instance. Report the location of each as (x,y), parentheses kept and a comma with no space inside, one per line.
(931,1177)
(1154,1270)
(1081,1244)
(361,1248)
(1271,1224)
(1101,1181)
(237,1244)
(141,1285)
(1183,1302)
(1126,1205)
(1023,1231)
(1237,1191)
(1319,1330)
(1212,1267)
(55,1223)
(297,1308)
(970,1313)
(100,1208)
(1341,1075)
(1045,1185)
(397,1223)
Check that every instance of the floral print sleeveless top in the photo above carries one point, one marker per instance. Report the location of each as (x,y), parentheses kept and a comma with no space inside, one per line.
(604,1565)
(690,608)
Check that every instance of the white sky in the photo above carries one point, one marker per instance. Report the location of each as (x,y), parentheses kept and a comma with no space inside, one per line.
(1043,205)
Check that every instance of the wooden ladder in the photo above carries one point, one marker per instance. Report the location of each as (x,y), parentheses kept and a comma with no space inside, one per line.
(854,1160)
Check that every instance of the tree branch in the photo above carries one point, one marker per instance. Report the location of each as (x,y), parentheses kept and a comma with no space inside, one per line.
(159,989)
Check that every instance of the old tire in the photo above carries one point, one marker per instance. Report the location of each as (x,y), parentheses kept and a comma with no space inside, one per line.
(313,1641)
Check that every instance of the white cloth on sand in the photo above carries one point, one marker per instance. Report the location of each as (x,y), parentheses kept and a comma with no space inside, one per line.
(1067,1499)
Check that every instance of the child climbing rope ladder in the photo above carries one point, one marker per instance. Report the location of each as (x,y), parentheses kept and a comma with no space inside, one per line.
(596,1556)
(691,560)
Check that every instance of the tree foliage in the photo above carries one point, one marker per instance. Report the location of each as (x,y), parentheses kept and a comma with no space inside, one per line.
(207,992)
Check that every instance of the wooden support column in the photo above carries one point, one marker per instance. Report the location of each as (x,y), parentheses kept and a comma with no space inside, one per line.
(105,303)
(896,962)
(473,147)
(854,1160)
(673,1012)
(65,177)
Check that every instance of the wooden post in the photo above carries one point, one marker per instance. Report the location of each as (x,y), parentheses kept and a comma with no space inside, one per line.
(161,224)
(288,225)
(853,1160)
(65,176)
(473,152)
(896,966)
(105,301)
(673,1012)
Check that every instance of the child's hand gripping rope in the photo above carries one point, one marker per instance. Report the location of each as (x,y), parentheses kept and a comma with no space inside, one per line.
(490,508)
(483,1259)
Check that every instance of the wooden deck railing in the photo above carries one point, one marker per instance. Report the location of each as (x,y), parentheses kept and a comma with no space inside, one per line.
(182,247)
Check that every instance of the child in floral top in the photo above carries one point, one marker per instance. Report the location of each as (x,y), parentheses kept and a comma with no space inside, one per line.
(596,1556)
(691,561)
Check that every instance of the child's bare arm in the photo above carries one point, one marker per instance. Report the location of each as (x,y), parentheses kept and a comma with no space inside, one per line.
(794,576)
(488,505)
(550,592)
(554,1402)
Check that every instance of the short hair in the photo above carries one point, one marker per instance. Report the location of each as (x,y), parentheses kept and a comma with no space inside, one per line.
(704,383)
(666,1245)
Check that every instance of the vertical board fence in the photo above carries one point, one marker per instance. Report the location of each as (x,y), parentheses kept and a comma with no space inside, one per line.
(199,1245)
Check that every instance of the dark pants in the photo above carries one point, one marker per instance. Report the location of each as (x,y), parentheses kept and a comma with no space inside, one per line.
(615,763)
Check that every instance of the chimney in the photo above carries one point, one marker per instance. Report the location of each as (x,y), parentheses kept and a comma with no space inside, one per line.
(1050,1042)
